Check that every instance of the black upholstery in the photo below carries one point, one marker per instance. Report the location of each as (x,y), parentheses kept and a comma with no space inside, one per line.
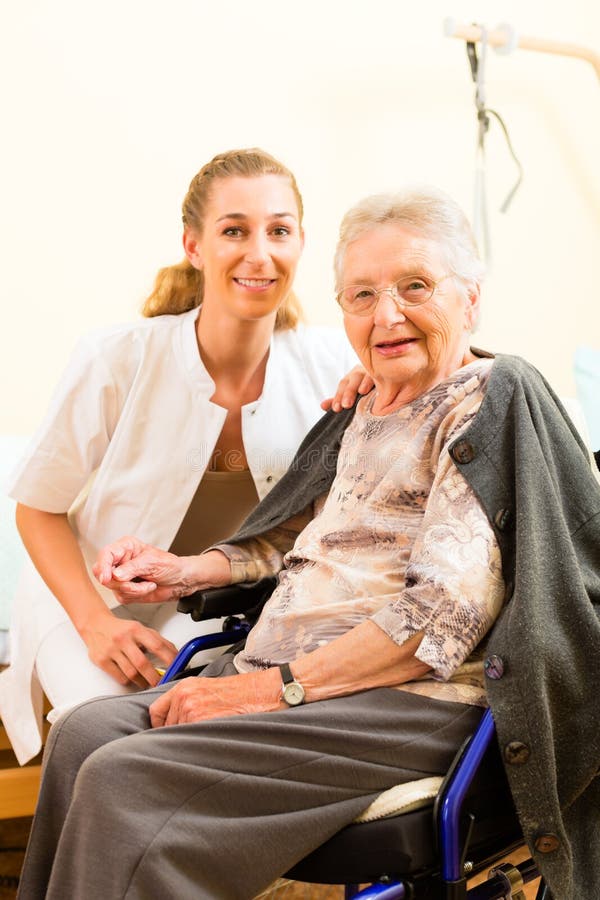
(405,845)
(244,598)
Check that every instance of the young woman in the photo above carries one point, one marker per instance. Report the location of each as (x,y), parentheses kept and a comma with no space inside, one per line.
(171,428)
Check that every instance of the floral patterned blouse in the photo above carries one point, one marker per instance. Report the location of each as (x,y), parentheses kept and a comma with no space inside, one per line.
(399,538)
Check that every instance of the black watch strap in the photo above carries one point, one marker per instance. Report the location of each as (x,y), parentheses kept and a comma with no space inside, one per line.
(286,673)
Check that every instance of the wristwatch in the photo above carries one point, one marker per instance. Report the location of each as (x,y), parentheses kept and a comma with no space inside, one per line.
(292,691)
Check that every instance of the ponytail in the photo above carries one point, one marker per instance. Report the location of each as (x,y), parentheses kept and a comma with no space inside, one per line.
(176,289)
(289,314)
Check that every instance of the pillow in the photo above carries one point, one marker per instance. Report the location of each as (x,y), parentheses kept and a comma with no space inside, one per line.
(587,382)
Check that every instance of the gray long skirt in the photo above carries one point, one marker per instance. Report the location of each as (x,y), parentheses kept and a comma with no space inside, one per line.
(217,810)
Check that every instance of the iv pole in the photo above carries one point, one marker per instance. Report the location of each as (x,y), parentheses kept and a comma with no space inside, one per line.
(505,39)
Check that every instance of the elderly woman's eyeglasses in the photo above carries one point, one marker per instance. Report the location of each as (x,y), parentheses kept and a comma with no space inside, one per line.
(412,290)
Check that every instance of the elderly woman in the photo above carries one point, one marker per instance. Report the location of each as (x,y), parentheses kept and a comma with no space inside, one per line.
(401,530)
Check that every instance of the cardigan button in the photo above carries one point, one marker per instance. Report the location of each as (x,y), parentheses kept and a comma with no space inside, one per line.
(269,478)
(516,753)
(503,519)
(494,667)
(463,452)
(547,843)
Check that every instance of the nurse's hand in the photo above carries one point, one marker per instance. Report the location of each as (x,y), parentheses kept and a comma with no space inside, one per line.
(357,381)
(121,647)
(139,573)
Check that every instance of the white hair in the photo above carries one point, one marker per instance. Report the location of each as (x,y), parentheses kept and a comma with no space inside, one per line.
(427,210)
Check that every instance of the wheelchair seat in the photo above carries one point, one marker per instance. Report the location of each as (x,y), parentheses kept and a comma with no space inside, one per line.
(423,853)
(405,843)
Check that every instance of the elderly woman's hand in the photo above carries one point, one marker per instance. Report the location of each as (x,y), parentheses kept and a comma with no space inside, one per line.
(357,381)
(139,573)
(198,699)
(361,659)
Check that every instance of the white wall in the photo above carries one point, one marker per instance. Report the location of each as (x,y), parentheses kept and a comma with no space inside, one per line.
(111,107)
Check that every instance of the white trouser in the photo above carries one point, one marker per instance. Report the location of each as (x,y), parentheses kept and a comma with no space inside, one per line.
(69,677)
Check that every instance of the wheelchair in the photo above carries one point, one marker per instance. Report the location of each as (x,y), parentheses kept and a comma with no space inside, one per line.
(426,850)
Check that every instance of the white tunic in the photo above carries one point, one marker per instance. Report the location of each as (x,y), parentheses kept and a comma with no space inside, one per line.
(126,441)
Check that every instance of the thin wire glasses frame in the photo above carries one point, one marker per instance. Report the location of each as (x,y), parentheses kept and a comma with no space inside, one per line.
(409,291)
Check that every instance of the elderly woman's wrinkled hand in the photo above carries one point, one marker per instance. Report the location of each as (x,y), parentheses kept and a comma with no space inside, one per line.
(139,573)
(199,699)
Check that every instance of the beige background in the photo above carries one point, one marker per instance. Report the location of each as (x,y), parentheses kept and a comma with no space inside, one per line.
(110,108)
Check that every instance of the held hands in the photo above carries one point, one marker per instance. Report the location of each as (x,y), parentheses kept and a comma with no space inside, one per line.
(139,573)
(357,381)
(198,699)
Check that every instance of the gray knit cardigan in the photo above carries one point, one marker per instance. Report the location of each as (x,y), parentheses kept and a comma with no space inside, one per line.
(531,472)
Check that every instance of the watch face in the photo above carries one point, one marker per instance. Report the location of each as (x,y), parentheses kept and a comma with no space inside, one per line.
(293,693)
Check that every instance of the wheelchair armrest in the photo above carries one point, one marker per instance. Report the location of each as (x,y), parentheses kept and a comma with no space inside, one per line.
(246,597)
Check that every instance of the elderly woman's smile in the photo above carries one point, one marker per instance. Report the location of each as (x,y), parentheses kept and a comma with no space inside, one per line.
(394,347)
(407,348)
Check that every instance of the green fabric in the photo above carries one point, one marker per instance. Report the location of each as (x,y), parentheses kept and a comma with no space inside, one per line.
(587,382)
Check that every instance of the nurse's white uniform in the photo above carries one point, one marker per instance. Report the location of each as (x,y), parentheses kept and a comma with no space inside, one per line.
(128,437)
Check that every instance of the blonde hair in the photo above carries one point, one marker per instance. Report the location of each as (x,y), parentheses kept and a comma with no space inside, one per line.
(179,288)
(429,211)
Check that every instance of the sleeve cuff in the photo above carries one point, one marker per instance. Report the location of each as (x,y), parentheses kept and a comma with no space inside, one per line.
(428,651)
(243,566)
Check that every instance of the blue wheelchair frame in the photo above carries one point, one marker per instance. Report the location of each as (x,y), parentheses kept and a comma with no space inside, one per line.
(504,881)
